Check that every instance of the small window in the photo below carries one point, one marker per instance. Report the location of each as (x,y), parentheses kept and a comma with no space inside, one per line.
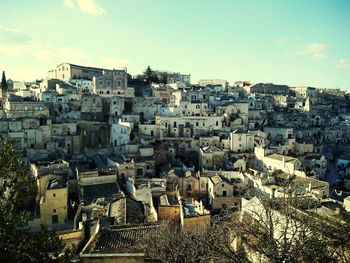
(54,210)
(54,195)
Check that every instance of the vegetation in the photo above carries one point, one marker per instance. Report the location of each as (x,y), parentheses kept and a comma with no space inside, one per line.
(212,244)
(289,230)
(271,230)
(151,76)
(17,242)
(3,81)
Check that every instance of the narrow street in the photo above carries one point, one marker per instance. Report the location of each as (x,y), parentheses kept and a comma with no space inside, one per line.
(331,177)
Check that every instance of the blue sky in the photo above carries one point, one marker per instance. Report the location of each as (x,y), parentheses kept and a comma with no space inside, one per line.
(294,42)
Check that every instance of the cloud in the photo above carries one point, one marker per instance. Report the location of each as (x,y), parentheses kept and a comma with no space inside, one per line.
(59,54)
(316,51)
(12,35)
(15,43)
(280,40)
(343,63)
(43,54)
(90,7)
(68,3)
(112,62)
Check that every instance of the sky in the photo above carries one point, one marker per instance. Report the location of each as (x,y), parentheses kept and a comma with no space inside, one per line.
(293,42)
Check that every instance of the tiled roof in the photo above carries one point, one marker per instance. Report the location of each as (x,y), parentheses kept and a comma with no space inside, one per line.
(91,192)
(127,211)
(216,179)
(120,239)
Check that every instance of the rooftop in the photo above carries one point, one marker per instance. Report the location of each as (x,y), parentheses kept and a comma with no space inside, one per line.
(120,239)
(279,157)
(57,183)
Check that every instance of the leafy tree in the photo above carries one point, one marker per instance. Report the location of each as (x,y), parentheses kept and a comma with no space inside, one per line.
(163,77)
(17,242)
(3,81)
(150,76)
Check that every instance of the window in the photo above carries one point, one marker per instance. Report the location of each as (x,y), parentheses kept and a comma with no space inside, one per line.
(54,195)
(189,187)
(197,123)
(174,123)
(217,123)
(54,210)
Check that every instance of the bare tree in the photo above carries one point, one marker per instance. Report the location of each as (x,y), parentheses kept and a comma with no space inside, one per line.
(171,244)
(289,230)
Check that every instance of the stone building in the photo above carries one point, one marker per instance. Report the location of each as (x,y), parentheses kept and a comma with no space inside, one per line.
(92,108)
(54,203)
(18,107)
(67,72)
(112,83)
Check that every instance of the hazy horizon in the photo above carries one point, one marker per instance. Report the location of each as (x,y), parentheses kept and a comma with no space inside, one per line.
(297,43)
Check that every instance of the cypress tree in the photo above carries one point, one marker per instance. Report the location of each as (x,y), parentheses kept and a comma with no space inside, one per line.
(3,81)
